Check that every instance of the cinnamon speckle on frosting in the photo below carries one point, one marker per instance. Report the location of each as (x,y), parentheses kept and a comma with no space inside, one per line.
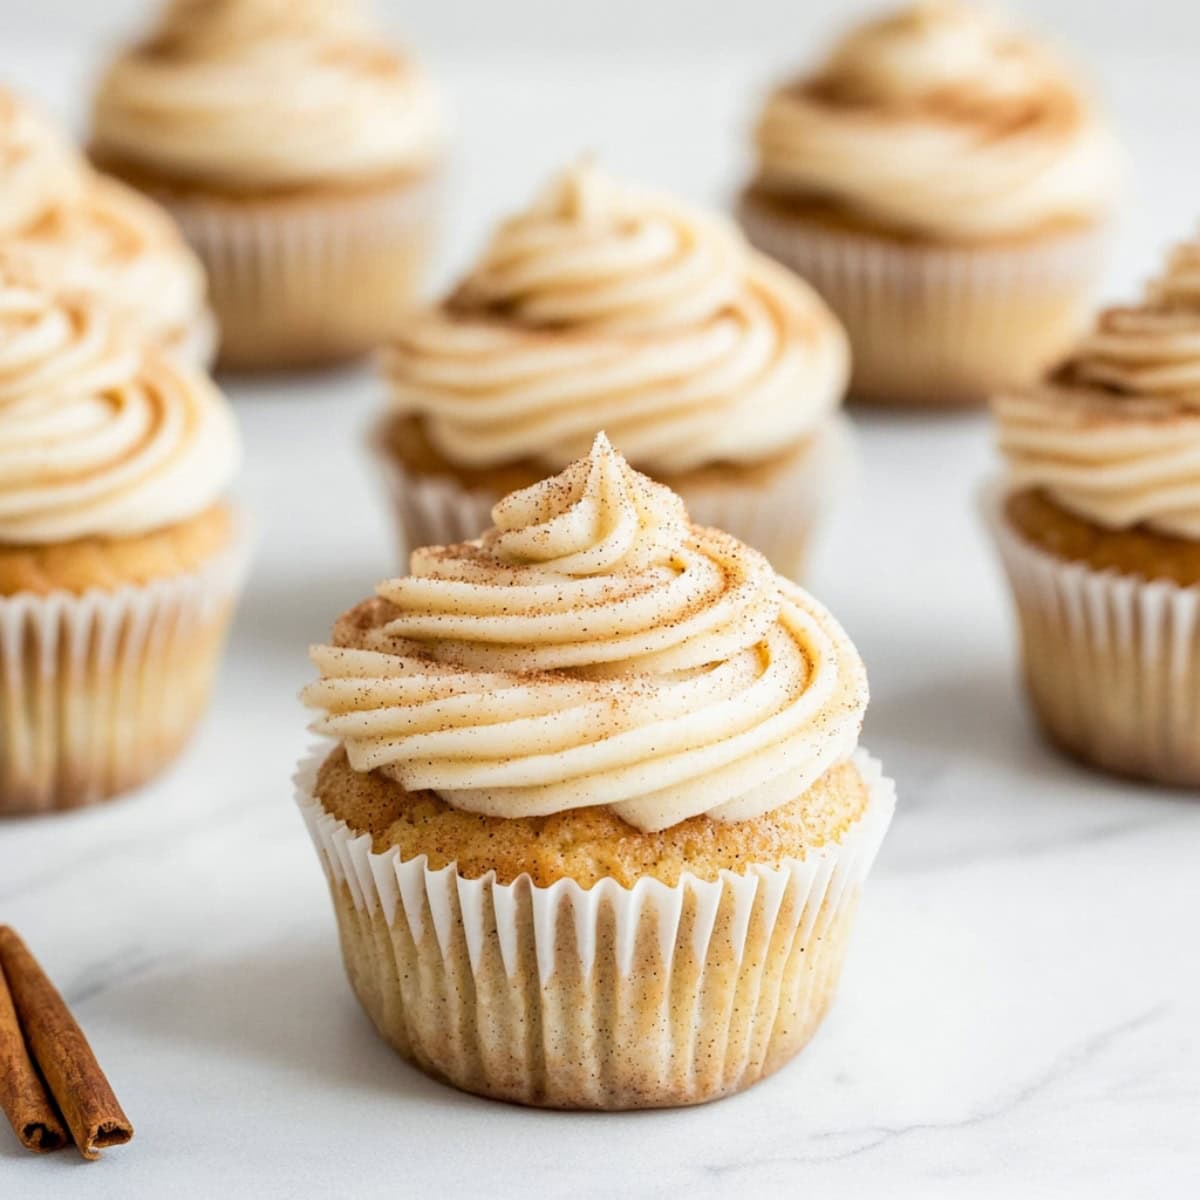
(1113,436)
(941,119)
(606,305)
(594,647)
(267,93)
(99,435)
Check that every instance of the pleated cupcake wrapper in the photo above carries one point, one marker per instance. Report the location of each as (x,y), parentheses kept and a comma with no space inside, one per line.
(941,325)
(778,515)
(99,690)
(607,997)
(301,282)
(1111,661)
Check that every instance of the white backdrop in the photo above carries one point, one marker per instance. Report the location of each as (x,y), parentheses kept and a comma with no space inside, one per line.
(1144,28)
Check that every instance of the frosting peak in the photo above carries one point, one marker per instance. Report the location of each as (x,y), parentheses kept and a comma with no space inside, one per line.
(597,517)
(606,305)
(594,648)
(942,120)
(38,164)
(1114,435)
(114,245)
(98,436)
(593,254)
(1151,349)
(267,93)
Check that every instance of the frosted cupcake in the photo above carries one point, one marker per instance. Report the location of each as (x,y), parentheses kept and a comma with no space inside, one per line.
(66,230)
(603,305)
(595,824)
(946,185)
(297,154)
(1099,525)
(119,561)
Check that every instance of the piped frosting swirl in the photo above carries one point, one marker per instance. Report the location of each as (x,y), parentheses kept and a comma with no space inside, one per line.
(38,166)
(98,436)
(941,120)
(1114,434)
(113,245)
(594,648)
(604,305)
(267,93)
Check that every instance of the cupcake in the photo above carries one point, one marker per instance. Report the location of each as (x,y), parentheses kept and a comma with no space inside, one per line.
(594,823)
(946,185)
(298,156)
(1098,523)
(119,561)
(66,230)
(717,371)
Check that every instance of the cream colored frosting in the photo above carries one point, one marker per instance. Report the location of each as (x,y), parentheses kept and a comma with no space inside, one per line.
(98,436)
(606,306)
(38,165)
(267,93)
(941,120)
(113,245)
(595,648)
(1115,434)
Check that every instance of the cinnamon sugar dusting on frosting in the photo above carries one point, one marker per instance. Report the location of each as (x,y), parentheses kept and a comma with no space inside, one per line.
(943,120)
(1114,435)
(268,93)
(594,647)
(1149,350)
(100,436)
(606,305)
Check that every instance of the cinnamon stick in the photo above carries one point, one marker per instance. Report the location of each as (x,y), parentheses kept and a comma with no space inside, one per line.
(78,1085)
(23,1096)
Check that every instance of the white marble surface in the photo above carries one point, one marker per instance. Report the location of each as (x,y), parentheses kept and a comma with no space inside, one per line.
(1019,1011)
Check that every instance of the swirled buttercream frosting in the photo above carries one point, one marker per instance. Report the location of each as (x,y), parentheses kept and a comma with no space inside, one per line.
(1114,434)
(267,93)
(38,165)
(594,648)
(606,306)
(100,437)
(113,245)
(940,120)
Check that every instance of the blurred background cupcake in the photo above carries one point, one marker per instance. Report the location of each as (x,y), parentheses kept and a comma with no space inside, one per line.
(119,559)
(946,184)
(595,776)
(297,153)
(607,306)
(67,230)
(1099,525)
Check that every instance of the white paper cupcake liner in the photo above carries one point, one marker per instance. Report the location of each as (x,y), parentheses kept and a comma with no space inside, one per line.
(1111,661)
(99,690)
(940,325)
(607,997)
(778,515)
(298,282)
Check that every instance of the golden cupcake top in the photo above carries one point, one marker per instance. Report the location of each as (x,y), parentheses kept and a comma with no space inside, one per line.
(1113,435)
(606,305)
(100,436)
(593,648)
(942,120)
(267,94)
